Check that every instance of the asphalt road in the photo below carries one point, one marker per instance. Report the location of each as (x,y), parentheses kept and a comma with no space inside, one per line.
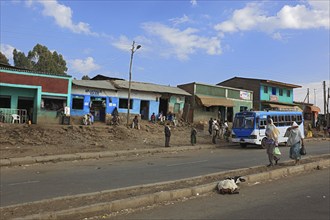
(44,181)
(306,196)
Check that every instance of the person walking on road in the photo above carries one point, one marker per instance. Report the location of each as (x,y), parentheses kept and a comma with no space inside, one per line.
(272,134)
(295,141)
(193,134)
(215,131)
(167,131)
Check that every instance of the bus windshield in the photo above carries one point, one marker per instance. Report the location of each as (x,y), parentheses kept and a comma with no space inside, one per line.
(244,122)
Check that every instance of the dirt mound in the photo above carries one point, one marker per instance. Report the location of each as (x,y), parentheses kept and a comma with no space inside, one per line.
(33,140)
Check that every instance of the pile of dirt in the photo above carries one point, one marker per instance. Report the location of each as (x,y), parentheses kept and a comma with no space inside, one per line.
(18,140)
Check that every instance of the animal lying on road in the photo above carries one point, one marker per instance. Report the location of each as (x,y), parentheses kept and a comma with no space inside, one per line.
(230,185)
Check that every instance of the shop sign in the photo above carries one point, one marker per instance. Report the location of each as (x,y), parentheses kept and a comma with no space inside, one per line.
(93,91)
(273,98)
(245,95)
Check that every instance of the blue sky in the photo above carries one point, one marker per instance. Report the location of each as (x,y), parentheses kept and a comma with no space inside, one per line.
(182,41)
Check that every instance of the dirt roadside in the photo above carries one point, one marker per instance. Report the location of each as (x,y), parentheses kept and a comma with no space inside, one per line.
(41,140)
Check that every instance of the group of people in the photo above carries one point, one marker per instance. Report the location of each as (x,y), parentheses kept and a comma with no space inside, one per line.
(218,130)
(295,141)
(88,119)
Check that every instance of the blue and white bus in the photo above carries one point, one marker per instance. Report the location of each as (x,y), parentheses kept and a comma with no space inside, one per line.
(249,126)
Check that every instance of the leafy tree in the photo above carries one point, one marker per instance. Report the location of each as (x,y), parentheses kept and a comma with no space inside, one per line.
(46,61)
(85,77)
(3,59)
(40,59)
(20,60)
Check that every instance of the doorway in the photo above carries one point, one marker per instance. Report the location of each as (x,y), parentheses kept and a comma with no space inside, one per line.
(97,108)
(26,103)
(144,110)
(163,106)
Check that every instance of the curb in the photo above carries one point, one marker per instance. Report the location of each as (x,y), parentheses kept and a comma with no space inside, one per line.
(95,155)
(170,195)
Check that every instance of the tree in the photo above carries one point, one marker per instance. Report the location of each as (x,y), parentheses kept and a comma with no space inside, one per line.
(85,77)
(40,59)
(20,60)
(3,59)
(46,61)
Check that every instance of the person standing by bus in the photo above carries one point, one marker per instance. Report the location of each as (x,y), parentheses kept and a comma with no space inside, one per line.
(295,141)
(272,134)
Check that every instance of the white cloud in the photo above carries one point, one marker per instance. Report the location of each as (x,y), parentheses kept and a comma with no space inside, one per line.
(193,3)
(63,16)
(123,43)
(84,66)
(7,50)
(316,96)
(177,21)
(182,43)
(302,16)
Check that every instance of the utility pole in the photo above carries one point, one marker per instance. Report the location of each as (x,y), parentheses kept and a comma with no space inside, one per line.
(325,102)
(130,80)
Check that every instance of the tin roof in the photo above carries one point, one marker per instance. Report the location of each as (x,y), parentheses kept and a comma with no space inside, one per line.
(101,84)
(266,81)
(149,87)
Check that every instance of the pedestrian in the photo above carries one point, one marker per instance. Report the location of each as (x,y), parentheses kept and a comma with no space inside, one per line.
(167,131)
(215,131)
(153,118)
(193,134)
(272,134)
(135,123)
(295,141)
(210,126)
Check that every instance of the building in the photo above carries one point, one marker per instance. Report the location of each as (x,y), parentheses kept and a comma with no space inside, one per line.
(211,101)
(102,95)
(148,98)
(36,97)
(98,97)
(267,94)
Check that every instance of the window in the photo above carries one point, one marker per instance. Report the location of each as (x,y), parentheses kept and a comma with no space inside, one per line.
(265,89)
(288,93)
(242,108)
(110,100)
(275,121)
(123,103)
(273,90)
(280,91)
(176,108)
(78,102)
(5,101)
(52,104)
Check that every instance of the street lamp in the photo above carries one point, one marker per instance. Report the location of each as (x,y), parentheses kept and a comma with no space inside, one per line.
(130,79)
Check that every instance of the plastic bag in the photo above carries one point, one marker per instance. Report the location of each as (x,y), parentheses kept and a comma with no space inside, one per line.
(277,151)
(303,150)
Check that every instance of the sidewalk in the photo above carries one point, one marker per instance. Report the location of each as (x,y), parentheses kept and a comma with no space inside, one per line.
(105,154)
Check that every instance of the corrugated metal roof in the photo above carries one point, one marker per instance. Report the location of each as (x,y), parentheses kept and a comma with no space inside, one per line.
(101,84)
(148,87)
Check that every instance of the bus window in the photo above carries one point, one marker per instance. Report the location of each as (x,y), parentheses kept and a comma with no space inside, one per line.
(275,121)
(238,122)
(281,121)
(249,122)
(299,119)
(262,124)
(294,118)
(288,120)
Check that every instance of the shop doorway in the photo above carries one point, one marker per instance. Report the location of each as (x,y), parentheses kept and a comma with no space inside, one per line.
(144,110)
(97,108)
(26,103)
(163,106)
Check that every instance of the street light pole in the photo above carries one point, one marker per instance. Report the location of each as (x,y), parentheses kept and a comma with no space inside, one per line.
(130,80)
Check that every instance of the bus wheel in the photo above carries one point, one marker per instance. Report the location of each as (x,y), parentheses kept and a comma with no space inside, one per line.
(243,145)
(263,143)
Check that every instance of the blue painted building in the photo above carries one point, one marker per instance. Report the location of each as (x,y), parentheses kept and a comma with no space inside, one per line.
(267,94)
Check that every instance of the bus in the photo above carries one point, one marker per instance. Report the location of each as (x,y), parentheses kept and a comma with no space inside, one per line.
(249,126)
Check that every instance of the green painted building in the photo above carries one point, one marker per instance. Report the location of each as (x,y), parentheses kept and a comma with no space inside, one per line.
(35,97)
(211,101)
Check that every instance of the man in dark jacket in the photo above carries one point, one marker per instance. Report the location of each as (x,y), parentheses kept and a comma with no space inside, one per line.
(167,135)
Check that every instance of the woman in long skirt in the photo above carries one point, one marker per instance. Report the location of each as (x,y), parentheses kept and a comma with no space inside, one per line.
(295,141)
